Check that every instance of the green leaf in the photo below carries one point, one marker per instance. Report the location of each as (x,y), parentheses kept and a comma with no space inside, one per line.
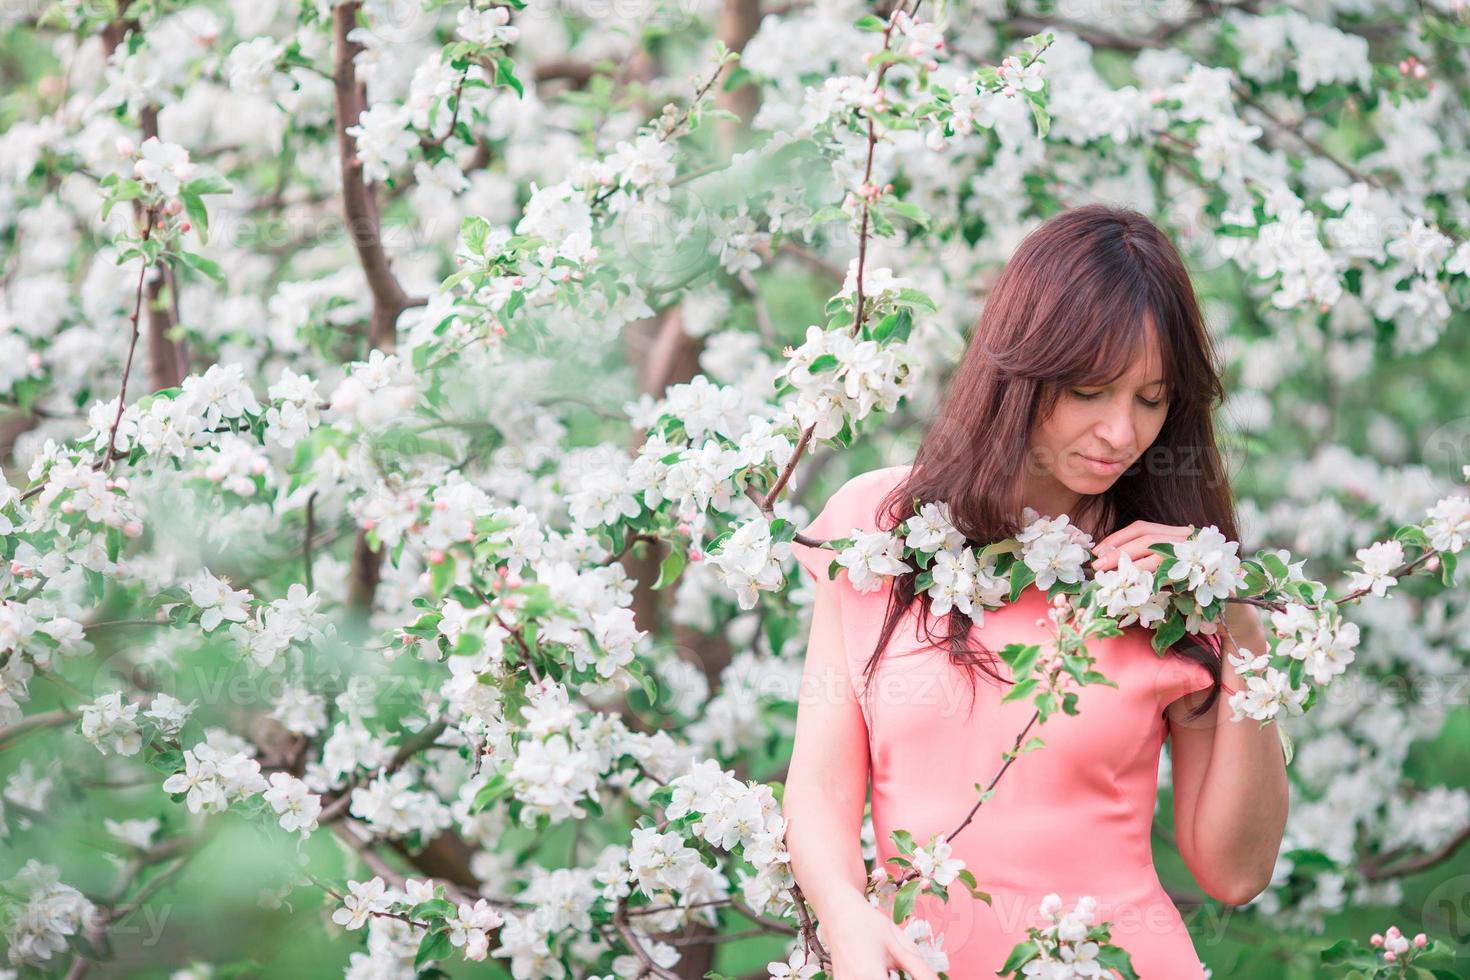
(1039,113)
(1117,958)
(868,22)
(1020,690)
(434,908)
(199,263)
(198,216)
(1021,954)
(1170,632)
(434,946)
(505,74)
(494,789)
(903,903)
(441,575)
(473,231)
(1022,658)
(206,184)
(669,568)
(169,761)
(911,211)
(1021,576)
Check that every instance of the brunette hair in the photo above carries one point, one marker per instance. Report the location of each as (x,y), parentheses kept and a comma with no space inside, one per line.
(1069,308)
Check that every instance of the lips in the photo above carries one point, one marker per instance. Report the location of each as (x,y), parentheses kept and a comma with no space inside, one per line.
(1104,467)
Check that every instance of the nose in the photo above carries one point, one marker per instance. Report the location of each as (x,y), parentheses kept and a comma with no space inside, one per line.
(1116,428)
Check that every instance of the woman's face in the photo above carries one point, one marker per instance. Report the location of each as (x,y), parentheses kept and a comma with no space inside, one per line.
(1095,433)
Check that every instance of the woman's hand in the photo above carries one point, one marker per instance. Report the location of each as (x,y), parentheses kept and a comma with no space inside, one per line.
(865,943)
(1134,541)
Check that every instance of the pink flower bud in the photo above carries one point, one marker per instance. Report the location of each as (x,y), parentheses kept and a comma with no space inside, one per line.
(67,507)
(1390,956)
(1421,940)
(1377,940)
(133,529)
(436,556)
(1392,933)
(441,505)
(369,524)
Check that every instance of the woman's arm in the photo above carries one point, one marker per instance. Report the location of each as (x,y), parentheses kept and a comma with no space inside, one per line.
(823,804)
(827,782)
(1230,787)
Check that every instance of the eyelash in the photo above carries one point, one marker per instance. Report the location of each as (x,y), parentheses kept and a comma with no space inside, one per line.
(1093,394)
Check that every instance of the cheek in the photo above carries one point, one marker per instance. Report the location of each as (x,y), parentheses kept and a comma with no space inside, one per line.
(1067,424)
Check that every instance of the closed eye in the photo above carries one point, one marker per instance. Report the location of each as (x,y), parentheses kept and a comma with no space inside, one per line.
(1089,395)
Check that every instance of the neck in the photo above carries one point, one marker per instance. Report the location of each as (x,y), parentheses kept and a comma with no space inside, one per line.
(1051,499)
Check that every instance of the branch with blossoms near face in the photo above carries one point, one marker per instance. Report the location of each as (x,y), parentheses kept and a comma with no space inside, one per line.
(1181,582)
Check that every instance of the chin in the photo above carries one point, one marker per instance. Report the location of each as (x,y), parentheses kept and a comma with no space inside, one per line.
(1089,484)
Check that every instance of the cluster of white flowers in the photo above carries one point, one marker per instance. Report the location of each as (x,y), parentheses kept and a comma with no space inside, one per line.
(1054,548)
(38,929)
(375,393)
(383,139)
(935,864)
(490,26)
(863,374)
(1448,526)
(295,409)
(110,725)
(1324,643)
(213,778)
(1206,565)
(274,626)
(89,493)
(561,762)
(1378,562)
(392,807)
(251,65)
(749,561)
(161,165)
(730,814)
(217,602)
(1066,952)
(1126,593)
(296,805)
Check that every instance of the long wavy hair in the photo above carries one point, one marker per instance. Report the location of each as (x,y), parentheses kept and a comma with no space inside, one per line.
(1069,308)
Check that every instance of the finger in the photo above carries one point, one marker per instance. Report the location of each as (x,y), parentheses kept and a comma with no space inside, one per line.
(1137,549)
(911,961)
(1138,528)
(1119,536)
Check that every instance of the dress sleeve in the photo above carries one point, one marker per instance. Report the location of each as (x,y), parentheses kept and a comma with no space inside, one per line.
(832,521)
(1179,676)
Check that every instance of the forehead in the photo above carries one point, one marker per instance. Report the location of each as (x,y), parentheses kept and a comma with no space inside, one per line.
(1133,358)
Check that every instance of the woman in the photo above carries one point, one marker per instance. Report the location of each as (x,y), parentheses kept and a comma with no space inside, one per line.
(1086,390)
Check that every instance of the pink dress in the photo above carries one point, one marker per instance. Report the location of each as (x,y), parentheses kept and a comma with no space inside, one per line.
(1073,817)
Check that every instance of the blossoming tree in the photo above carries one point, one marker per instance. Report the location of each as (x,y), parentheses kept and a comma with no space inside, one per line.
(411,407)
